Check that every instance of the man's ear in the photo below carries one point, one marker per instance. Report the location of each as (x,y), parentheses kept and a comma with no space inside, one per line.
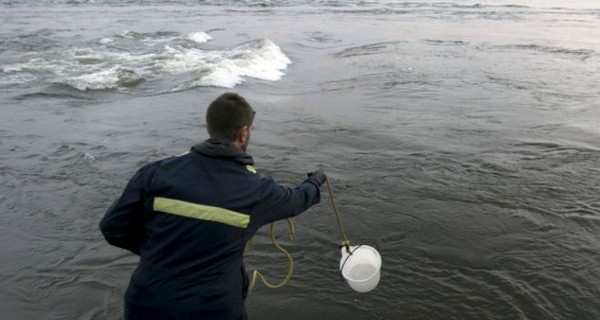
(243,134)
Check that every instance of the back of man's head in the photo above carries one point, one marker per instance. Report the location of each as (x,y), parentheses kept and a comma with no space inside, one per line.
(227,114)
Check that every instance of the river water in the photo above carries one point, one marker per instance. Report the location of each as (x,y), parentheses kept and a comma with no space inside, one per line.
(462,138)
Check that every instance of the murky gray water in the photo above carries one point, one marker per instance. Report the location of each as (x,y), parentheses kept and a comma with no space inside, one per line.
(461,138)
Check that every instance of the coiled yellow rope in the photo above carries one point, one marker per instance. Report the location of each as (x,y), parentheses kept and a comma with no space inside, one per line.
(256,274)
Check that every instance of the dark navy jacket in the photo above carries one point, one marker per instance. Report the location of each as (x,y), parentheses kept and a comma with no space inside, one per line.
(189,218)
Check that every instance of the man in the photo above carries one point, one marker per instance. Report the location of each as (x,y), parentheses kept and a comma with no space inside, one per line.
(189,218)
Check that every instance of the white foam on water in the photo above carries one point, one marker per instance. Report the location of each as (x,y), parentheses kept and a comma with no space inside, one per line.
(17,67)
(104,79)
(199,37)
(106,40)
(178,60)
(32,64)
(16,79)
(128,34)
(103,67)
(114,77)
(262,60)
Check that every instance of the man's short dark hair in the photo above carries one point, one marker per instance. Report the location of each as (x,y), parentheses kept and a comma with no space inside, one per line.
(227,114)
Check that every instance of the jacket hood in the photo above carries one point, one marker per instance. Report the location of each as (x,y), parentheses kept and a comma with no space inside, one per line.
(225,149)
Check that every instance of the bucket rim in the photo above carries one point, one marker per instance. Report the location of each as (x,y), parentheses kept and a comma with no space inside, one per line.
(377,266)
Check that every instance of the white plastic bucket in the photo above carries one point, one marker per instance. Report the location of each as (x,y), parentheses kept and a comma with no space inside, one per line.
(362,268)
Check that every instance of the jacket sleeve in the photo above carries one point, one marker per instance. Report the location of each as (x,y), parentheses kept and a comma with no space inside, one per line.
(122,224)
(279,202)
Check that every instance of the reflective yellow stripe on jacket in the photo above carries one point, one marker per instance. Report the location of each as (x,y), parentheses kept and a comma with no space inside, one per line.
(201,212)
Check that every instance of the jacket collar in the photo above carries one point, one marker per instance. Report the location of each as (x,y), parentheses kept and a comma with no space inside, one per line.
(224,149)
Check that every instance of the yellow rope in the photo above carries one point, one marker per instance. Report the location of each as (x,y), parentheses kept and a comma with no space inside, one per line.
(345,241)
(256,274)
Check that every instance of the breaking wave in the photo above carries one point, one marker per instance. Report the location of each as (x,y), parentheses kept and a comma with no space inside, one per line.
(260,59)
(128,59)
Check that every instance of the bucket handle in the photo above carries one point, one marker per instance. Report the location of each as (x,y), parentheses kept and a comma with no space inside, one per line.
(343,264)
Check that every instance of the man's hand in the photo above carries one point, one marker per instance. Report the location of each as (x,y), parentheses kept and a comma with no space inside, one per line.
(318,176)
